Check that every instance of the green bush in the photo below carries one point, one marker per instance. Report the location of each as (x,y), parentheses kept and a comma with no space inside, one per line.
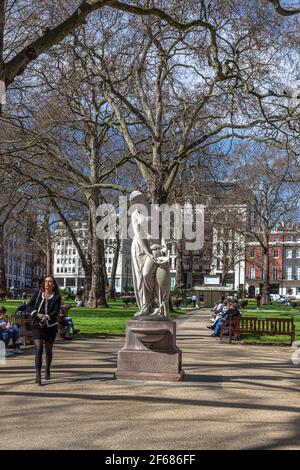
(295,303)
(67,295)
(127,299)
(2,295)
(178,300)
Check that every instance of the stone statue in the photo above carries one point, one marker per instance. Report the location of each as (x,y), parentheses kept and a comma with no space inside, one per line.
(150,267)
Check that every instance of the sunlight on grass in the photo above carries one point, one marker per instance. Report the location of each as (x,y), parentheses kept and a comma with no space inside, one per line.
(93,321)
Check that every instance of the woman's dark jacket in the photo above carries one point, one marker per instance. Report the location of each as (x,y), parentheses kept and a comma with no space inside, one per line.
(53,307)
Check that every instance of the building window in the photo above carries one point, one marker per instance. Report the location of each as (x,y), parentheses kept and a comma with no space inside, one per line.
(297,253)
(288,238)
(276,239)
(275,253)
(297,290)
(58,261)
(60,281)
(109,270)
(252,253)
(298,272)
(252,273)
(275,273)
(289,253)
(289,273)
(57,270)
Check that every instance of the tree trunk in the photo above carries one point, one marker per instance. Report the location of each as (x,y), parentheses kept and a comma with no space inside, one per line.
(266,277)
(112,290)
(96,293)
(2,262)
(156,190)
(225,270)
(49,257)
(179,265)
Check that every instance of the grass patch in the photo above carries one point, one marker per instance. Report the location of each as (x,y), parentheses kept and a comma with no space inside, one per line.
(270,339)
(95,321)
(275,306)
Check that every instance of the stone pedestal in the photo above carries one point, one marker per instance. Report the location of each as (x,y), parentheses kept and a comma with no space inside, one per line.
(150,352)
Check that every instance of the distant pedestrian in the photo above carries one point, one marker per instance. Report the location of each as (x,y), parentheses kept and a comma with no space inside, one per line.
(194,299)
(258,300)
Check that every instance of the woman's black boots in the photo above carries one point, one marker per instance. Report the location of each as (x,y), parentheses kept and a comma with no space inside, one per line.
(47,374)
(38,377)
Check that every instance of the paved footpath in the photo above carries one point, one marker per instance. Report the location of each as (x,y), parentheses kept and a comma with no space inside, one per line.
(234,397)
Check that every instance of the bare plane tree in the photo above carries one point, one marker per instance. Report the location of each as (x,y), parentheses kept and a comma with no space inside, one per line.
(271,200)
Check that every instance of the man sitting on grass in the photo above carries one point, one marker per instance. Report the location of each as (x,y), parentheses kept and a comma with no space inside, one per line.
(9,331)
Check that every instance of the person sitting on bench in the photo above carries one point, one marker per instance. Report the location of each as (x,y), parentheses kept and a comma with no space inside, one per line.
(9,331)
(232,311)
(68,324)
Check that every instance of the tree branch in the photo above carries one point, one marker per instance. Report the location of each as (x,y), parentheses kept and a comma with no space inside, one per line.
(283,11)
(18,64)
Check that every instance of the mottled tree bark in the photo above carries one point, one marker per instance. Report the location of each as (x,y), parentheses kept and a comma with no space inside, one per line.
(2,260)
(112,289)
(97,290)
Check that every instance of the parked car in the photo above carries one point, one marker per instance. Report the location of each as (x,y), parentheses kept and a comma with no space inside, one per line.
(282,299)
(275,297)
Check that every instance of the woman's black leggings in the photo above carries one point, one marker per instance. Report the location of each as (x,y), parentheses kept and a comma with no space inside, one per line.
(39,346)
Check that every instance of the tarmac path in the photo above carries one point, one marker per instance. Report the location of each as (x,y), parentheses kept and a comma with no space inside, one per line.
(233,397)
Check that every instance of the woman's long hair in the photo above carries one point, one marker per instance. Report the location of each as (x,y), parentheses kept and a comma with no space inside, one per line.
(55,286)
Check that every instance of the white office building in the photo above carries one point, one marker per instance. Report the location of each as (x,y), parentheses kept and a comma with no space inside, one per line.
(68,267)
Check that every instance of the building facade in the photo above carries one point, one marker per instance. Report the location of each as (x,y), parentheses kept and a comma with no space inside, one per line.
(284,264)
(228,258)
(67,266)
(25,263)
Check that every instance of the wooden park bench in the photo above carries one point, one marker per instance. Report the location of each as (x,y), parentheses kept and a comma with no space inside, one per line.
(25,326)
(258,326)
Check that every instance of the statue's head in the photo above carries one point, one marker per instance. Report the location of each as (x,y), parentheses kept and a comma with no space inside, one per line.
(136,197)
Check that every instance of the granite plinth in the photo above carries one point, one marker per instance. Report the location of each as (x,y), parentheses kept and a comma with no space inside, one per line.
(150,352)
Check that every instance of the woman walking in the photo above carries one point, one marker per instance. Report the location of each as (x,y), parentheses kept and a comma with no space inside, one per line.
(46,304)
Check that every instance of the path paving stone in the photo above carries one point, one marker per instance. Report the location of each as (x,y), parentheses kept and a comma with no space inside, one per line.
(234,397)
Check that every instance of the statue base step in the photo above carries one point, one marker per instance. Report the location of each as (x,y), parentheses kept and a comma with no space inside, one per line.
(144,376)
(150,352)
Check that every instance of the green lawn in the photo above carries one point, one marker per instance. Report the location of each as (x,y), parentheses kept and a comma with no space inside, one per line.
(94,321)
(276,306)
(109,321)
